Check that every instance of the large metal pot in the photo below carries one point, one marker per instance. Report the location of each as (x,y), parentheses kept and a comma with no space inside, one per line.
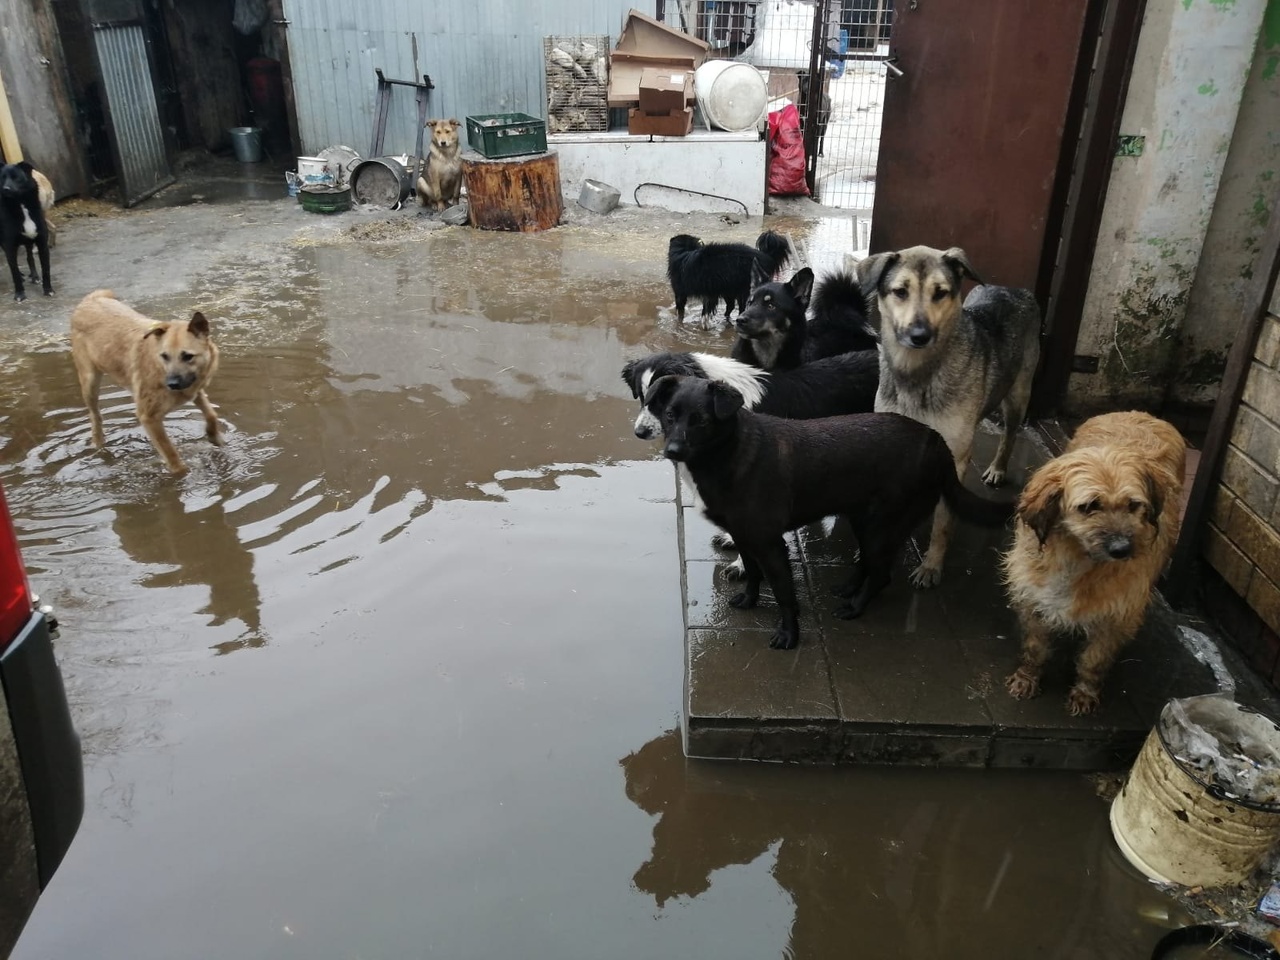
(381,182)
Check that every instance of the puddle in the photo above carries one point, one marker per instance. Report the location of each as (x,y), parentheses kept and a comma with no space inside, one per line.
(397,672)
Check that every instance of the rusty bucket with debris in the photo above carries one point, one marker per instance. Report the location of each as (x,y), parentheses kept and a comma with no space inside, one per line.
(1201,806)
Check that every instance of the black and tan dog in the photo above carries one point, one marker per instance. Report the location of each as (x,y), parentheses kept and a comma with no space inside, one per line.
(23,224)
(759,476)
(776,333)
(949,365)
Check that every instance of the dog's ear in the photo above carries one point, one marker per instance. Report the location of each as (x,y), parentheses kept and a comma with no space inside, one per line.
(958,260)
(1157,481)
(802,285)
(759,276)
(25,167)
(198,326)
(454,123)
(1040,506)
(871,271)
(630,379)
(660,392)
(725,401)
(158,331)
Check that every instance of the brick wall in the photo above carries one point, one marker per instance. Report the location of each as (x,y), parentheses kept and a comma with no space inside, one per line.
(1242,537)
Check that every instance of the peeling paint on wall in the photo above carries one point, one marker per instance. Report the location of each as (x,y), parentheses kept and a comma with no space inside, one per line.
(1141,317)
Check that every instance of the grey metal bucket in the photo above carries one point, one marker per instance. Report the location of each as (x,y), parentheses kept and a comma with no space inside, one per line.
(247,143)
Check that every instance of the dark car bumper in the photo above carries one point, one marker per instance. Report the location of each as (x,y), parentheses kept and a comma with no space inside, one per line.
(48,745)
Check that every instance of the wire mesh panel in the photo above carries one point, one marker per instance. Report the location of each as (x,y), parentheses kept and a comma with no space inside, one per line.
(851,108)
(577,83)
(842,121)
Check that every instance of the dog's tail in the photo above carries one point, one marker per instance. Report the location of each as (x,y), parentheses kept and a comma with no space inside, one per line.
(99,294)
(971,507)
(838,298)
(774,246)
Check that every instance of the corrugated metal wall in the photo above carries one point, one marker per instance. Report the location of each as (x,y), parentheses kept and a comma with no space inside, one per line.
(135,118)
(484,56)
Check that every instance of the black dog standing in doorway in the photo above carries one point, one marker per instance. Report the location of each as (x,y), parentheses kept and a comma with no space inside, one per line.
(22,223)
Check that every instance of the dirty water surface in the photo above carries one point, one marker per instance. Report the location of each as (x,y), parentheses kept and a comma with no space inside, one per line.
(398,672)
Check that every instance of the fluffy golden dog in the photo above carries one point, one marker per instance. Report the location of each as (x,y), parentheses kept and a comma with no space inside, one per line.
(1096,527)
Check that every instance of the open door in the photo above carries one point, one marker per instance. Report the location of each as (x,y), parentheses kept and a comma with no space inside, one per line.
(973,130)
(133,118)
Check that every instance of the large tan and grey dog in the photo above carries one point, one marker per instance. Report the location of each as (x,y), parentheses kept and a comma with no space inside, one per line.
(442,183)
(1096,527)
(949,364)
(163,364)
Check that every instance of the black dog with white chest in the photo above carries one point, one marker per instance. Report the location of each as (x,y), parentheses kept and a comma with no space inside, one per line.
(22,223)
(760,476)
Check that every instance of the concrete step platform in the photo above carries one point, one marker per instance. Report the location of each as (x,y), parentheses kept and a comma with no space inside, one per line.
(919,678)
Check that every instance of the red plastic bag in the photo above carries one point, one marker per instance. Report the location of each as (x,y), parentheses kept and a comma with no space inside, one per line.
(786,154)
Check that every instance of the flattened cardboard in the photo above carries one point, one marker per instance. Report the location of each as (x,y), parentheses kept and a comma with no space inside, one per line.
(665,91)
(676,124)
(643,34)
(645,42)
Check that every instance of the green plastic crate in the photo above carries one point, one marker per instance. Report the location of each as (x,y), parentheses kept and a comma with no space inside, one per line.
(506,134)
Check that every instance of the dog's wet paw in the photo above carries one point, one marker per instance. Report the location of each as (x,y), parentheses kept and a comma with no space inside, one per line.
(1081,701)
(218,439)
(926,577)
(722,541)
(784,639)
(848,611)
(744,600)
(49,292)
(736,570)
(1021,686)
(993,477)
(19,297)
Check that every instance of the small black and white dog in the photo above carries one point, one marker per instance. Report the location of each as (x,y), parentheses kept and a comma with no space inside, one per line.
(775,332)
(712,272)
(22,223)
(825,388)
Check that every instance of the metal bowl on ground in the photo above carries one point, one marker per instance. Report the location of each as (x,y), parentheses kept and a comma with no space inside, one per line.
(381,182)
(321,198)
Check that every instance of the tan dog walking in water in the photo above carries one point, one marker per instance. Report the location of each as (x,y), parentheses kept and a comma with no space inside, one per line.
(164,365)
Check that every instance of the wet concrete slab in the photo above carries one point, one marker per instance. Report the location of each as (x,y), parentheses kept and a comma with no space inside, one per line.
(918,679)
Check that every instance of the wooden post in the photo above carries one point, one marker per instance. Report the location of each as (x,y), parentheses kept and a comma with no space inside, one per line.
(514,193)
(8,133)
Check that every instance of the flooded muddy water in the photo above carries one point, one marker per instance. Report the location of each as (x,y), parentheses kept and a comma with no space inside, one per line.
(398,672)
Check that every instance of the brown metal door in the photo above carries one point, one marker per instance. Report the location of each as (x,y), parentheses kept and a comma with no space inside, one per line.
(973,129)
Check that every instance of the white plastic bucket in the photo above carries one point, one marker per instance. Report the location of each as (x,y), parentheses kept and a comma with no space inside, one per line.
(1176,823)
(313,170)
(733,96)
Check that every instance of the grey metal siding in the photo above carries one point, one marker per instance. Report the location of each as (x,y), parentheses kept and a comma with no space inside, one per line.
(484,56)
(135,119)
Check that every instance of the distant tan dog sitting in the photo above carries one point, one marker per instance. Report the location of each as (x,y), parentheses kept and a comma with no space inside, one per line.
(1096,527)
(442,184)
(163,364)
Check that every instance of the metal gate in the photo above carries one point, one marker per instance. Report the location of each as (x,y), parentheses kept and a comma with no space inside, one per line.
(837,48)
(133,118)
(975,116)
(848,66)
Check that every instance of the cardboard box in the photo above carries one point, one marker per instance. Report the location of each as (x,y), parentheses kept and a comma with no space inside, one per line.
(645,42)
(665,91)
(676,124)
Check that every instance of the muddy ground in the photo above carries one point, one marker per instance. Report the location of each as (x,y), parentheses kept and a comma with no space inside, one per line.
(398,672)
